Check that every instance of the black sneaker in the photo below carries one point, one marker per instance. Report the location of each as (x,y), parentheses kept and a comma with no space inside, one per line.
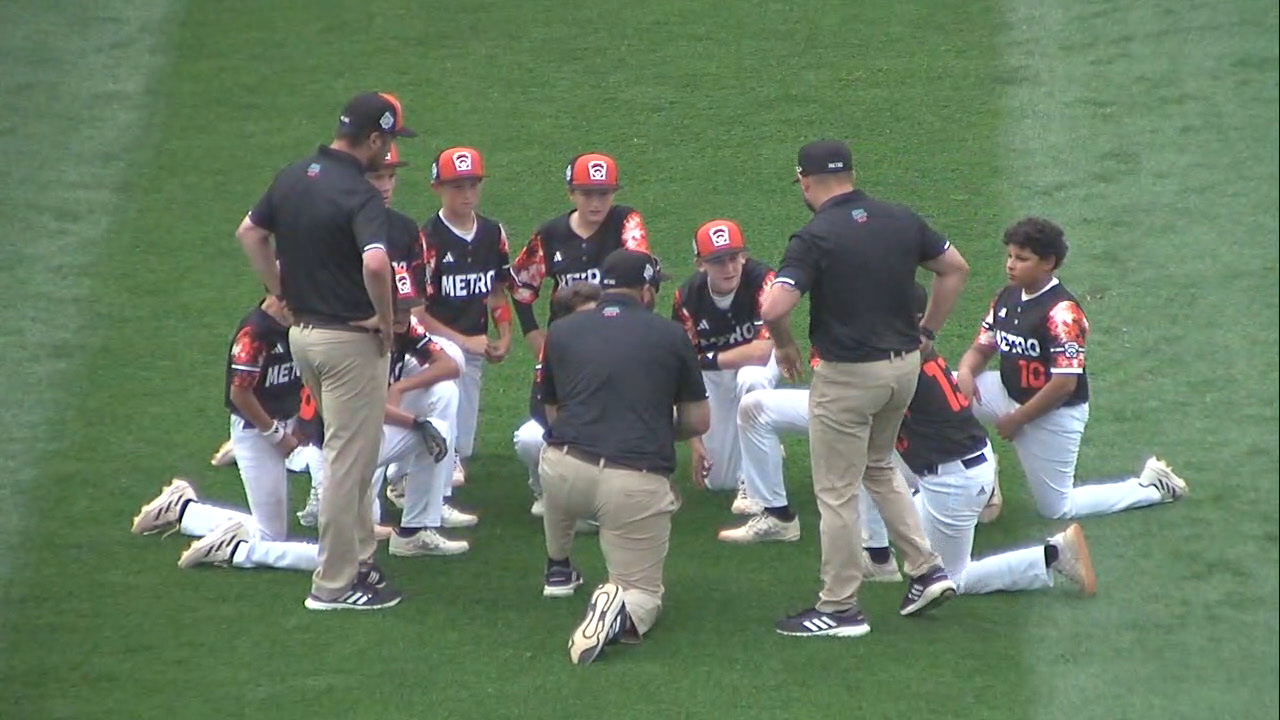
(560,581)
(605,619)
(371,575)
(815,623)
(359,597)
(927,591)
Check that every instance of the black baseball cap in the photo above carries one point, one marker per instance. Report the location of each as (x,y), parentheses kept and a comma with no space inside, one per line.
(823,156)
(371,112)
(633,269)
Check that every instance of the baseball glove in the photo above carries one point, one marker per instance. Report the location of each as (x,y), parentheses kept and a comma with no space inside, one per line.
(437,447)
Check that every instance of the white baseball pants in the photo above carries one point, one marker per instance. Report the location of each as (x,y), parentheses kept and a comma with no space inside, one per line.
(200,519)
(1048,448)
(725,391)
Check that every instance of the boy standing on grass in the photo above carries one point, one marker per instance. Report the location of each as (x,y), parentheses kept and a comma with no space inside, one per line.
(466,262)
(1039,397)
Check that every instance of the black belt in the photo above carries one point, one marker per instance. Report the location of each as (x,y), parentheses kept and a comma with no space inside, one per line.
(968,463)
(593,459)
(308,321)
(877,356)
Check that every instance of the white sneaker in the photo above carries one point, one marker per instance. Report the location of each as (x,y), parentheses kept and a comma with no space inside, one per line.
(880,572)
(165,510)
(216,548)
(459,474)
(762,528)
(309,516)
(452,517)
(537,509)
(224,455)
(426,541)
(1160,476)
(1073,559)
(744,505)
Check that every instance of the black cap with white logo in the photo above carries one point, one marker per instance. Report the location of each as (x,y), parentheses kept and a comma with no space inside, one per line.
(823,156)
(625,268)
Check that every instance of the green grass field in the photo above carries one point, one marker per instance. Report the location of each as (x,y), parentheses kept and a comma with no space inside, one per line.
(137,133)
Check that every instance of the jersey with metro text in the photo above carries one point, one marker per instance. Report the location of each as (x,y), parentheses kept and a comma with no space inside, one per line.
(1037,337)
(557,252)
(259,358)
(714,330)
(415,342)
(939,426)
(461,272)
(405,250)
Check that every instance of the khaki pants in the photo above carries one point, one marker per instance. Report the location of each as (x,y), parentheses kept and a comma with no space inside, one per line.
(348,379)
(634,511)
(855,410)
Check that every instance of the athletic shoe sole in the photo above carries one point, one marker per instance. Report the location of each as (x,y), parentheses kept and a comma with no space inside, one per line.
(932,597)
(843,631)
(593,633)
(315,603)
(561,591)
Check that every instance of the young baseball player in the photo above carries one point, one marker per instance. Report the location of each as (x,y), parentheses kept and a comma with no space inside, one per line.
(1039,397)
(466,264)
(572,246)
(528,439)
(949,453)
(261,393)
(719,307)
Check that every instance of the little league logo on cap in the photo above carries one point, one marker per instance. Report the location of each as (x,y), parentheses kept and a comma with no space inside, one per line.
(371,112)
(718,237)
(456,164)
(592,170)
(822,157)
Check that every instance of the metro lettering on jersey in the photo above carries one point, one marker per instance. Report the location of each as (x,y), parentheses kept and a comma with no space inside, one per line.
(1017,345)
(467,284)
(592,276)
(742,334)
(281,374)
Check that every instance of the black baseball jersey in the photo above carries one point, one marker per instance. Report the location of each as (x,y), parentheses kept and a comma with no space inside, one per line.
(260,358)
(405,250)
(1037,336)
(939,426)
(461,272)
(714,330)
(325,215)
(555,251)
(415,342)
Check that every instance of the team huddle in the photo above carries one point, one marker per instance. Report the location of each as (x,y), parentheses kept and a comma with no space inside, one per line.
(455,286)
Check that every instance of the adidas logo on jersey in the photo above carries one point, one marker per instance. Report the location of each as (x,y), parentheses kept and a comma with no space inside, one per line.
(704,325)
(280,348)
(1002,312)
(557,258)
(448,257)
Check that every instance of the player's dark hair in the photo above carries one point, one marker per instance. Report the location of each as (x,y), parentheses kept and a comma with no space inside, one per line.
(1043,238)
(573,296)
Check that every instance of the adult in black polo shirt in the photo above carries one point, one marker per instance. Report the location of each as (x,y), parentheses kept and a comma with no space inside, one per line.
(610,377)
(331,266)
(858,257)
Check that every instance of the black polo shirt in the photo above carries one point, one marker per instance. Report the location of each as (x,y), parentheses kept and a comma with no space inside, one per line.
(614,374)
(325,215)
(858,257)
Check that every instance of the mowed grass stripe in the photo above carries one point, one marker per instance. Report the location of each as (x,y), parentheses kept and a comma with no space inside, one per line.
(703,126)
(1149,132)
(76,79)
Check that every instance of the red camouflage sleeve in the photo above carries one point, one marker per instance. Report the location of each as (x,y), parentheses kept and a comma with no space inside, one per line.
(986,336)
(1067,331)
(422,346)
(247,353)
(528,271)
(634,236)
(682,316)
(762,330)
